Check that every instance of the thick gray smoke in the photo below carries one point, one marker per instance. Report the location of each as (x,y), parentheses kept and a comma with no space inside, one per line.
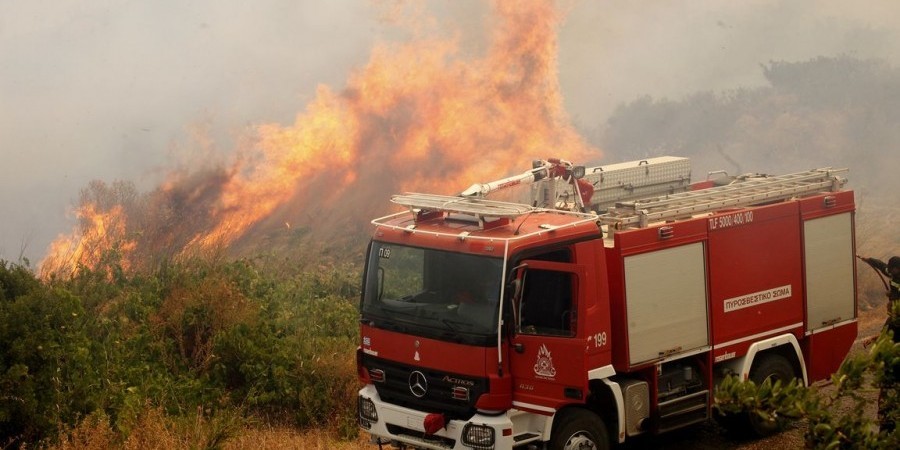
(126,90)
(612,52)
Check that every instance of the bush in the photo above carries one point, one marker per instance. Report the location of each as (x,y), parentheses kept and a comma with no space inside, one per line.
(16,281)
(48,367)
(225,337)
(834,420)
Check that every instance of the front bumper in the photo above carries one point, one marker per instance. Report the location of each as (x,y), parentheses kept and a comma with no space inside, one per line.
(406,426)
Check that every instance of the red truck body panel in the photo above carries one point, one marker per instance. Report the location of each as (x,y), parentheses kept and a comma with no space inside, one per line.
(755,271)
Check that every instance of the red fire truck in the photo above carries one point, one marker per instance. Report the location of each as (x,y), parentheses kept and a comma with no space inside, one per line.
(494,325)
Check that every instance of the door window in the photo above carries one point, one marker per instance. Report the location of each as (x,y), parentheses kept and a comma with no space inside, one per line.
(547,306)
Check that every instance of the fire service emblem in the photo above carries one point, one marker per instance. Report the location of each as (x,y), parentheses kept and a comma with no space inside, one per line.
(544,365)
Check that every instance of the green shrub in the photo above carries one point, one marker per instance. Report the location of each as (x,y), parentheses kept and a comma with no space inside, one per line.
(16,281)
(834,420)
(48,363)
(227,337)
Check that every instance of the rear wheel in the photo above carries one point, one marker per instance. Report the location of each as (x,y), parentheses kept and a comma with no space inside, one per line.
(580,429)
(772,367)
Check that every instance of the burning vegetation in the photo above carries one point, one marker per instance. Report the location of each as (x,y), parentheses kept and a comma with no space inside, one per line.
(420,115)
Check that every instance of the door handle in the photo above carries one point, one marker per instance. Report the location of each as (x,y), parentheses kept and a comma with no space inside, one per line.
(519,347)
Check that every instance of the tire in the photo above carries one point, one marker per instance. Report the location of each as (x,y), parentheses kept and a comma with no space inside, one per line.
(580,429)
(746,425)
(772,367)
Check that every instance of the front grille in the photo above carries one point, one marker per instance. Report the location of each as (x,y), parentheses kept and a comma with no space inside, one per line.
(439,396)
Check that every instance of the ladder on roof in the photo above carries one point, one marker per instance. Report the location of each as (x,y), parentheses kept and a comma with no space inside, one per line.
(753,191)
(430,206)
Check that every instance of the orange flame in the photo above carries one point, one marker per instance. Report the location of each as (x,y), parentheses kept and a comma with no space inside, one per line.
(417,116)
(100,233)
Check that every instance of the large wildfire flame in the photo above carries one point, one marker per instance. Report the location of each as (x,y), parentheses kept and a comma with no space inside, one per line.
(418,116)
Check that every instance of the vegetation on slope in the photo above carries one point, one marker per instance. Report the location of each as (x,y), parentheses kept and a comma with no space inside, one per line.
(201,341)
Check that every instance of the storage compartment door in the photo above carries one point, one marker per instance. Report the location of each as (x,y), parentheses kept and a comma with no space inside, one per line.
(830,291)
(665,294)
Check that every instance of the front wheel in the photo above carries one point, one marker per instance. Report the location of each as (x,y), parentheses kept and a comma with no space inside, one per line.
(580,429)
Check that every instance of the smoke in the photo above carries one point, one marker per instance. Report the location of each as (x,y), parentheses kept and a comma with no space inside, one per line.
(419,115)
(616,52)
(114,91)
(108,90)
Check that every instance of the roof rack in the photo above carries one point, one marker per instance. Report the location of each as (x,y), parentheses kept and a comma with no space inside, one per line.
(752,191)
(430,206)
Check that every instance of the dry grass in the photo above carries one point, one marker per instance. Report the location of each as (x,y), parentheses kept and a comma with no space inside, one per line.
(272,438)
(92,433)
(154,430)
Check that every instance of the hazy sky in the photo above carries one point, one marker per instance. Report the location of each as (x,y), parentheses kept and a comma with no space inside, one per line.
(111,90)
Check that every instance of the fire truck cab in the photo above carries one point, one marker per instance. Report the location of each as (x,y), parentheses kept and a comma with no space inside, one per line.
(493,325)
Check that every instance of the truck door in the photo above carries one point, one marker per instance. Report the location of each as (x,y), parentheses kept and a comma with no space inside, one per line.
(547,353)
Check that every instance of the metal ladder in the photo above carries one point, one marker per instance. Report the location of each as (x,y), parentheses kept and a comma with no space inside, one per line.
(767,189)
(475,206)
(488,213)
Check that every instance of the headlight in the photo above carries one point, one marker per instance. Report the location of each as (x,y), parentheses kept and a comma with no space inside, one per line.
(367,413)
(478,436)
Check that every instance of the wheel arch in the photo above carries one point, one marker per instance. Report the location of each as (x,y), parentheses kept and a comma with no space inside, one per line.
(606,401)
(785,345)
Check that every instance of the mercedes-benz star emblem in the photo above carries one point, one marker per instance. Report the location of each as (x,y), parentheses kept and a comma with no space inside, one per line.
(418,385)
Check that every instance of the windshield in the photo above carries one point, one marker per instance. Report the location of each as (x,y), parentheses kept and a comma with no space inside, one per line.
(432,293)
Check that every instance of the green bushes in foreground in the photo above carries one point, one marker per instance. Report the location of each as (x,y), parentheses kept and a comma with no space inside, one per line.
(835,418)
(225,338)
